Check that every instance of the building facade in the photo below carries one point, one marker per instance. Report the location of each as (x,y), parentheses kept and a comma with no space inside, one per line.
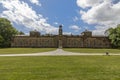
(85,40)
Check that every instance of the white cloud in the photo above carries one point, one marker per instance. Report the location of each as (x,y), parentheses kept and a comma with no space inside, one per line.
(67,33)
(103,13)
(88,3)
(100,30)
(75,27)
(21,13)
(35,2)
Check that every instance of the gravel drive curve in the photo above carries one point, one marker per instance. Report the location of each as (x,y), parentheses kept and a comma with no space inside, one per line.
(58,52)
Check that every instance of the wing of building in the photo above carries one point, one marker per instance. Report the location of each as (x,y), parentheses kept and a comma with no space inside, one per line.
(85,40)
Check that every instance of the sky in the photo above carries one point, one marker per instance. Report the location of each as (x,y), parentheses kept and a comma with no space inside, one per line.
(76,16)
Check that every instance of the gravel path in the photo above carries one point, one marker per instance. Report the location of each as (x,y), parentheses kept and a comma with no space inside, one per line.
(58,52)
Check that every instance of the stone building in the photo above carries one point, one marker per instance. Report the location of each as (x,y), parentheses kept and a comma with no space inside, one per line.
(85,40)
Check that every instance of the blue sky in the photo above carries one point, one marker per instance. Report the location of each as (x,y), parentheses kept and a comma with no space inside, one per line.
(75,15)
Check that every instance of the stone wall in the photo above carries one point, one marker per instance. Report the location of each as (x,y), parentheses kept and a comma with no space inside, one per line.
(86,42)
(26,41)
(67,41)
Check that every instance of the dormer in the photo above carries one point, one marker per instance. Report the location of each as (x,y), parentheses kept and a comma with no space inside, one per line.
(86,33)
(34,33)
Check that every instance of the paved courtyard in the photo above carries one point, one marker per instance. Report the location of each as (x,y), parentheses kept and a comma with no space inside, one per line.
(58,52)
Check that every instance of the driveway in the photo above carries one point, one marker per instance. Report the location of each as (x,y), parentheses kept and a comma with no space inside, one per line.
(58,52)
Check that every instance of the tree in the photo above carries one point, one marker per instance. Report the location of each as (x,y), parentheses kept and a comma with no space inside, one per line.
(1,40)
(114,35)
(6,32)
(21,33)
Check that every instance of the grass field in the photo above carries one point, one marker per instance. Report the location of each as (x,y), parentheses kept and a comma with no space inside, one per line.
(89,50)
(24,50)
(60,68)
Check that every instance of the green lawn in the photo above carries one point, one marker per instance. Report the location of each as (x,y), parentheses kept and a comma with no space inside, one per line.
(24,50)
(60,68)
(89,50)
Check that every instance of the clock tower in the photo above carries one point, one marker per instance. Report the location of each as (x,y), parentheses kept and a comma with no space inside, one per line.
(60,37)
(60,30)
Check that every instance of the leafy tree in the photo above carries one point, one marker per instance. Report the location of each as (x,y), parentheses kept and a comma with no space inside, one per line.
(1,40)
(6,32)
(21,33)
(114,35)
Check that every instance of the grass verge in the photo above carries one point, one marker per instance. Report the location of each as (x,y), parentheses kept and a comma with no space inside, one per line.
(90,50)
(24,50)
(60,68)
